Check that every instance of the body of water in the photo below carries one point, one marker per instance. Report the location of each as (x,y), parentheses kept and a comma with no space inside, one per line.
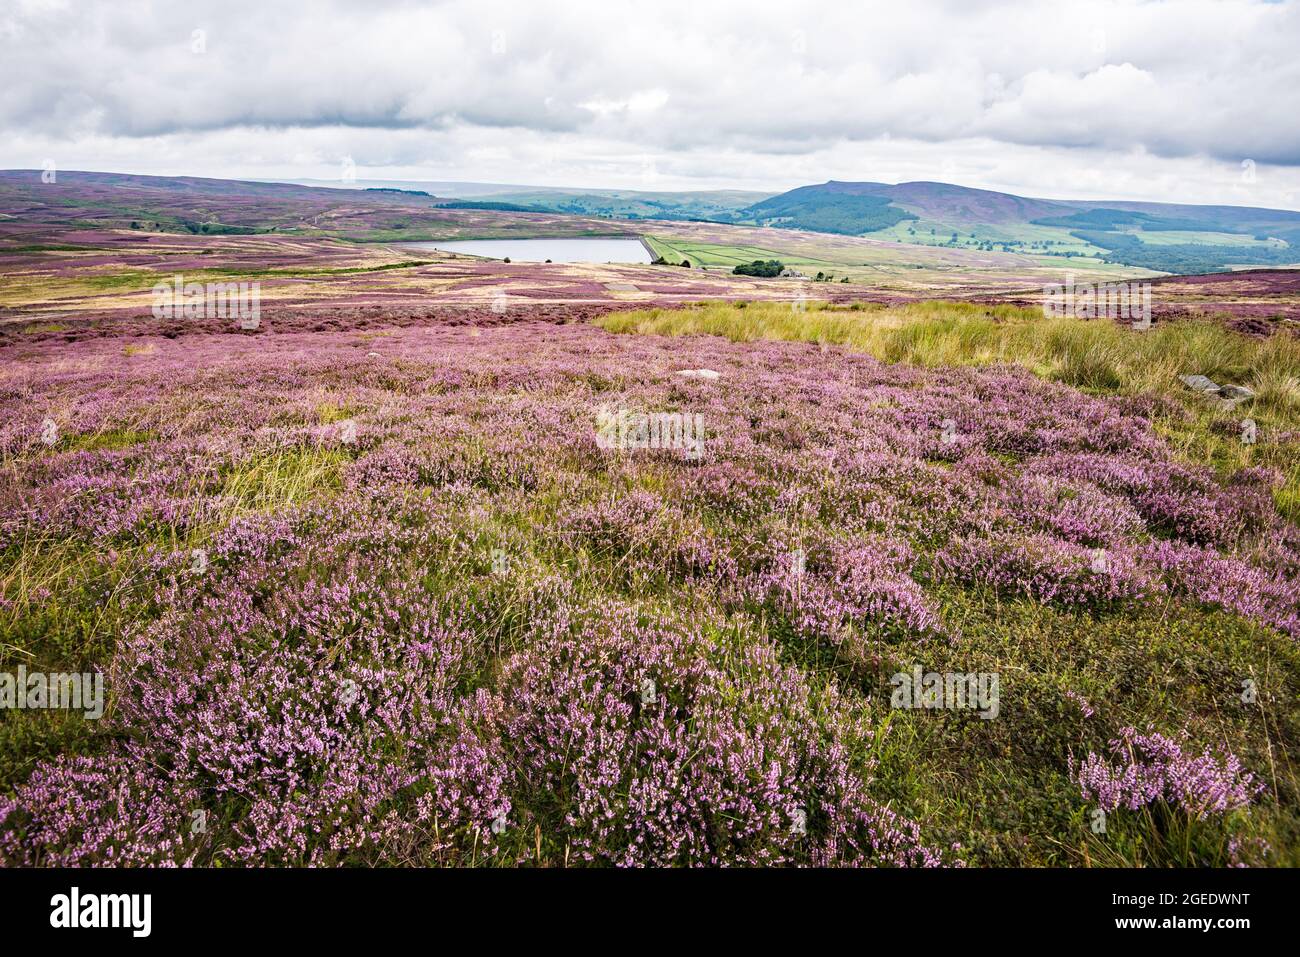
(540,250)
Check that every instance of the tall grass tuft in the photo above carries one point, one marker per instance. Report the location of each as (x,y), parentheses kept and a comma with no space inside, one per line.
(1088,354)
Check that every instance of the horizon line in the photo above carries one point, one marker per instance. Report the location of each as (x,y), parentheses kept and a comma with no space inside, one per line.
(343,184)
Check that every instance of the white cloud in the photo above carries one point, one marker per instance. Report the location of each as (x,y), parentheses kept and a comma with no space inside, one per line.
(1112,98)
(642,102)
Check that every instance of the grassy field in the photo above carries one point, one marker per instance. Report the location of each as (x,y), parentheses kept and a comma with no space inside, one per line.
(1021,235)
(796,256)
(886,260)
(718,256)
(1173,237)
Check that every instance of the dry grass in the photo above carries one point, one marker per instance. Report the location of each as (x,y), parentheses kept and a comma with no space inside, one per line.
(1087,354)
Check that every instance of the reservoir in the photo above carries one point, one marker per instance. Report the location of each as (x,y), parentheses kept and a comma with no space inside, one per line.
(539,250)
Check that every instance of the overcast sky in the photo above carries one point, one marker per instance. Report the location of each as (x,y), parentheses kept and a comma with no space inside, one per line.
(1183,100)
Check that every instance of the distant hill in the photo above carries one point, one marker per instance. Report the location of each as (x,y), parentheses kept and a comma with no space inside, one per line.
(90,181)
(34,213)
(829,209)
(866,207)
(717,204)
(1166,237)
(455,190)
(710,205)
(963,204)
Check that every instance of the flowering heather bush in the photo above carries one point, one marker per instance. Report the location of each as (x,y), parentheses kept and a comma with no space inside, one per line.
(1046,569)
(302,687)
(1230,583)
(1153,767)
(629,738)
(848,593)
(645,748)
(93,811)
(436,623)
(648,536)
(1075,511)
(1177,499)
(1085,708)
(119,493)
(729,488)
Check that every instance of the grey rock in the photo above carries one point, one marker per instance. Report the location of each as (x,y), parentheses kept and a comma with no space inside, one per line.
(1199,383)
(1234,395)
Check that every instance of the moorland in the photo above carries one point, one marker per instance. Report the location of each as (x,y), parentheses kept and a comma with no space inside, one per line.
(367,583)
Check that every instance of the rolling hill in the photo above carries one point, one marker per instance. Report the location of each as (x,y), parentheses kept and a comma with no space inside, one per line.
(36,213)
(1164,237)
(576,201)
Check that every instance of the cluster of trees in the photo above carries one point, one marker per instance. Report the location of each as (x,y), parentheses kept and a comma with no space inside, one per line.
(492,205)
(843,213)
(1113,219)
(217,229)
(766,268)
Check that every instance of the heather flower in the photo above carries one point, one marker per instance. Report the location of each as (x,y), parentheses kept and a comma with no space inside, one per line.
(1046,569)
(711,769)
(1082,702)
(76,812)
(848,591)
(1146,768)
(1212,579)
(1075,511)
(1179,500)
(645,535)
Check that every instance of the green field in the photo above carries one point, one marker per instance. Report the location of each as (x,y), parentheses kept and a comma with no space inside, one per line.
(876,263)
(1016,237)
(712,254)
(1173,237)
(715,256)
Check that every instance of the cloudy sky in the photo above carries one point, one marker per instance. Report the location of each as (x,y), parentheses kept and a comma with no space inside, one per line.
(1180,100)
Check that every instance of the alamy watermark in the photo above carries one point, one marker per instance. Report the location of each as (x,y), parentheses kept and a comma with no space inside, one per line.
(130,911)
(37,690)
(951,690)
(179,299)
(1113,300)
(623,430)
